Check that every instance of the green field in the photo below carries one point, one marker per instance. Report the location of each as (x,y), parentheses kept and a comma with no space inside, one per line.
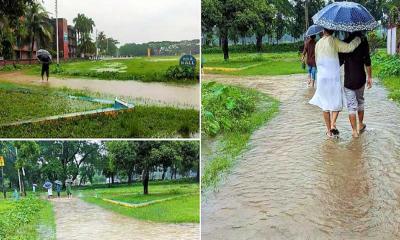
(253,64)
(29,218)
(142,122)
(230,115)
(27,103)
(184,207)
(145,69)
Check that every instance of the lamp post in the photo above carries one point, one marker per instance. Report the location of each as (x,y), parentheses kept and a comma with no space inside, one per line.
(2,163)
(58,56)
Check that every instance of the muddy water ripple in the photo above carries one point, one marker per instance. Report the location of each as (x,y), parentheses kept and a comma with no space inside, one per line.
(294,183)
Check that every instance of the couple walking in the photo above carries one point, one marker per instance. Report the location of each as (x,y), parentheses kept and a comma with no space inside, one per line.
(330,95)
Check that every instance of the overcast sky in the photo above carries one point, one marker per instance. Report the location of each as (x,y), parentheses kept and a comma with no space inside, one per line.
(136,21)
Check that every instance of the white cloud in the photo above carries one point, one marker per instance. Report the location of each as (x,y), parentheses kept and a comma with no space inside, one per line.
(136,20)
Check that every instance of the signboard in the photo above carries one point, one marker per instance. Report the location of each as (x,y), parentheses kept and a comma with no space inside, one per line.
(2,162)
(188,60)
(66,37)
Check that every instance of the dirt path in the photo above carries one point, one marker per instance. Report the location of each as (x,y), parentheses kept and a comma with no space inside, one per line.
(294,183)
(168,94)
(78,220)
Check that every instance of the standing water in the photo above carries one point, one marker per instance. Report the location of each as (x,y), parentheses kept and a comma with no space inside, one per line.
(294,183)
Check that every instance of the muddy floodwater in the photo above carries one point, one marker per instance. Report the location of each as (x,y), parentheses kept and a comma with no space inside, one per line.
(294,183)
(77,220)
(151,92)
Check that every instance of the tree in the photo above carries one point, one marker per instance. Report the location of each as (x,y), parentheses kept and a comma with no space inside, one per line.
(146,162)
(84,27)
(39,29)
(124,154)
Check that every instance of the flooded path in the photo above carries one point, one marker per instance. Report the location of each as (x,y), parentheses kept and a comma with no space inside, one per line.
(152,92)
(294,183)
(78,220)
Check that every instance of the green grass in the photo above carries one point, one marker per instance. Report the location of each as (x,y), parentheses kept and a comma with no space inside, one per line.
(230,116)
(139,68)
(142,122)
(21,103)
(184,208)
(27,219)
(252,64)
(388,71)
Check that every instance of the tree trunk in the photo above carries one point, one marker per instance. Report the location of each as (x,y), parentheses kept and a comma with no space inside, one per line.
(163,174)
(198,175)
(32,46)
(259,38)
(129,178)
(112,179)
(145,180)
(225,47)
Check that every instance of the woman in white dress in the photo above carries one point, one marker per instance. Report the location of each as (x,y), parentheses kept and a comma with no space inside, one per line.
(329,95)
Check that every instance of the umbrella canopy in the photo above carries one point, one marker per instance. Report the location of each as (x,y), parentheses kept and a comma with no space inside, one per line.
(58,182)
(313,30)
(47,185)
(43,55)
(345,16)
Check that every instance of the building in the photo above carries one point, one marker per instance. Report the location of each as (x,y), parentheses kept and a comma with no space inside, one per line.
(72,42)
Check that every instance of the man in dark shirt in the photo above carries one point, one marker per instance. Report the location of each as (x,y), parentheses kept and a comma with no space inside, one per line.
(309,53)
(356,65)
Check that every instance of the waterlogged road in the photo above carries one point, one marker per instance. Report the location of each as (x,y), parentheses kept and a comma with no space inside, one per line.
(187,96)
(294,183)
(77,220)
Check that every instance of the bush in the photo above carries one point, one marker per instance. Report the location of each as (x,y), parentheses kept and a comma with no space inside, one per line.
(388,65)
(178,72)
(251,48)
(22,212)
(225,107)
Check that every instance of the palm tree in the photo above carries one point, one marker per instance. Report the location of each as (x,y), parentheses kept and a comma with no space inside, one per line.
(84,27)
(38,26)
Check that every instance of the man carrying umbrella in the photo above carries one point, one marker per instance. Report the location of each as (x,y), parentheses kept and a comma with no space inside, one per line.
(45,58)
(58,187)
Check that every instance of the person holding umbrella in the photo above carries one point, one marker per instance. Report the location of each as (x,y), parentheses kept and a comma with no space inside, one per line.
(45,59)
(58,187)
(343,16)
(48,185)
(309,53)
(69,190)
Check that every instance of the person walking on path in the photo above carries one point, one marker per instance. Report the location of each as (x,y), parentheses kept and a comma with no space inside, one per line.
(309,59)
(69,190)
(45,69)
(58,188)
(355,64)
(329,94)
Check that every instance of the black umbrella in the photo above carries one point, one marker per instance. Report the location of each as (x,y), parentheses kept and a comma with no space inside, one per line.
(44,56)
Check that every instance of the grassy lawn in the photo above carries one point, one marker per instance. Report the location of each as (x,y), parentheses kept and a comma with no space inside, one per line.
(139,68)
(22,103)
(184,208)
(230,115)
(142,122)
(28,219)
(388,71)
(251,64)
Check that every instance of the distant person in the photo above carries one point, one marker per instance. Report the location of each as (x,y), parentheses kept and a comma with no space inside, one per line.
(34,185)
(69,190)
(358,72)
(309,59)
(58,190)
(45,69)
(329,94)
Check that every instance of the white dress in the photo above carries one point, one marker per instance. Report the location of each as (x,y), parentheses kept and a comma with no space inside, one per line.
(329,95)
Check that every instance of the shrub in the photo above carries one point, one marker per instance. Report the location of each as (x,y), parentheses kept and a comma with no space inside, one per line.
(178,72)
(22,212)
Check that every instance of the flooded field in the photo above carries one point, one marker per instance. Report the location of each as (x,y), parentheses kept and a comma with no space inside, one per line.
(152,92)
(294,183)
(77,220)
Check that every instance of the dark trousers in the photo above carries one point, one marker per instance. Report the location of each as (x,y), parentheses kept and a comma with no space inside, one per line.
(45,69)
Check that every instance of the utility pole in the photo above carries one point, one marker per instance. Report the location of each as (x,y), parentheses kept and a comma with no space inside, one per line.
(2,164)
(306,14)
(96,46)
(58,55)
